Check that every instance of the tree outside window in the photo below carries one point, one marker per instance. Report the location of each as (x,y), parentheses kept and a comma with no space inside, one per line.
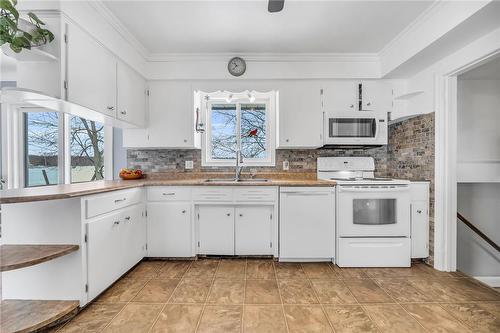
(87,150)
(41,131)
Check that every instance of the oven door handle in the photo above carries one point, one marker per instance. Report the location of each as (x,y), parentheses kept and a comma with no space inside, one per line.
(374,189)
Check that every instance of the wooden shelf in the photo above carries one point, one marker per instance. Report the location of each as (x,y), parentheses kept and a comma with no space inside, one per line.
(19,256)
(32,315)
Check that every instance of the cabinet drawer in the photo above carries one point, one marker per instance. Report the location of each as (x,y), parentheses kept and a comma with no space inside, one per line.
(169,193)
(100,204)
(213,193)
(255,193)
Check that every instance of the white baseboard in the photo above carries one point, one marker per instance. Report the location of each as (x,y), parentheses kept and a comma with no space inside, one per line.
(492,281)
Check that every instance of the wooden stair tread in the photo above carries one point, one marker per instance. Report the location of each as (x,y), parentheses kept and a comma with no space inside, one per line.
(32,315)
(14,256)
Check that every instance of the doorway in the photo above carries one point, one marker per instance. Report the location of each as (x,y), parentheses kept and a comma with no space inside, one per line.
(478,172)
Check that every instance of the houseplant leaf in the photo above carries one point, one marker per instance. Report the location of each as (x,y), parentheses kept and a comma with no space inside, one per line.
(35,18)
(7,6)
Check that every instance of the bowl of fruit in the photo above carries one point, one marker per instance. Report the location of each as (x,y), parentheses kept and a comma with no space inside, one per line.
(128,174)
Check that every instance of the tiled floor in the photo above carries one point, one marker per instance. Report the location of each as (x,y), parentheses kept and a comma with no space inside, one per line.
(212,295)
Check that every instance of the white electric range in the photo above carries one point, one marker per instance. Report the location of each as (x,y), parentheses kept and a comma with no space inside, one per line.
(372,214)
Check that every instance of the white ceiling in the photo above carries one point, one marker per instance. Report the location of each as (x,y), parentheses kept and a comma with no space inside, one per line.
(242,26)
(487,71)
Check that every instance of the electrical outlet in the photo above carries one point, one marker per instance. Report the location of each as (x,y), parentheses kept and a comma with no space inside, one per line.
(286,165)
(188,165)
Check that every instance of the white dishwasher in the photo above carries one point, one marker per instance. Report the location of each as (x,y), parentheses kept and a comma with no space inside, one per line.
(307,224)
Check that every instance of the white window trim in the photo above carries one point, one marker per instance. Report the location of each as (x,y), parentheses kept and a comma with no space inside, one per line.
(267,98)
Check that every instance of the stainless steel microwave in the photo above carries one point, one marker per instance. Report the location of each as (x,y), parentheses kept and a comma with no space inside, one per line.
(355,128)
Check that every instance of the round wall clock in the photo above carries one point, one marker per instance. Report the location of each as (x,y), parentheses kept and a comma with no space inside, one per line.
(236,66)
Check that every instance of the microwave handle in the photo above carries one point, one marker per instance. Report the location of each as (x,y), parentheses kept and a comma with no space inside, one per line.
(373,189)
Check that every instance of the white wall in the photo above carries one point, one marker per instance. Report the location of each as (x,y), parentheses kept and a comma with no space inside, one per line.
(478,131)
(479,204)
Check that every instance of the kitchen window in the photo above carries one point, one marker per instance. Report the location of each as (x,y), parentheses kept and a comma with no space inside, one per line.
(61,149)
(42,148)
(87,150)
(238,122)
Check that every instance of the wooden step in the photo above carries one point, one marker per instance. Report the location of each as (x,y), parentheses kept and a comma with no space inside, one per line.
(18,256)
(32,315)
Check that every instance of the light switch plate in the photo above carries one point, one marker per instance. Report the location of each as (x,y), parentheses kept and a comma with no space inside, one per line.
(286,165)
(188,164)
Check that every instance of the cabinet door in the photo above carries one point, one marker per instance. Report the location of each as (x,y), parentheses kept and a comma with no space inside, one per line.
(104,263)
(215,230)
(131,95)
(376,96)
(91,73)
(253,230)
(171,122)
(300,116)
(419,229)
(340,96)
(169,229)
(307,223)
(133,240)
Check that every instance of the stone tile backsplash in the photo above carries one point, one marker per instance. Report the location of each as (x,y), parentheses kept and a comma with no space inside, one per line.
(409,155)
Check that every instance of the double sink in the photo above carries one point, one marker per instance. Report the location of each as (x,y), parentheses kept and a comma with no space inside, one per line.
(234,181)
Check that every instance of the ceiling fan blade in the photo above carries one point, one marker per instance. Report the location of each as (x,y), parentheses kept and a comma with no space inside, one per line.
(275,6)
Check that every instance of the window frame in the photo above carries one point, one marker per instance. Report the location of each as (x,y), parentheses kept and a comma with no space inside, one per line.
(246,97)
(64,148)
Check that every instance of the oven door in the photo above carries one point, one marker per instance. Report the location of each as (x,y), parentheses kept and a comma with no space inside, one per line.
(355,129)
(373,211)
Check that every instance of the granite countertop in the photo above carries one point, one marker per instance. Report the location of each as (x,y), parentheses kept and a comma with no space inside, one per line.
(160,179)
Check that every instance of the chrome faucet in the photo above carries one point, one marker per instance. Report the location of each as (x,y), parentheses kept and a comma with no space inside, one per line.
(239,159)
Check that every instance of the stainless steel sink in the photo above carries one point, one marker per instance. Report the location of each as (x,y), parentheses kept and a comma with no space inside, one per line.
(246,180)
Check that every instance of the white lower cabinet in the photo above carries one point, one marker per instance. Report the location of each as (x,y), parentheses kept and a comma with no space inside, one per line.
(133,236)
(419,218)
(253,230)
(103,251)
(115,243)
(215,230)
(169,229)
(307,223)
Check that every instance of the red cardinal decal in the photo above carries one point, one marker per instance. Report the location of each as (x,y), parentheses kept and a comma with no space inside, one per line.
(252,133)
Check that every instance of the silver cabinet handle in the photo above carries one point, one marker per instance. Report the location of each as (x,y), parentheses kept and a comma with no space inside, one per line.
(287,140)
(116,222)
(184,211)
(123,112)
(120,200)
(368,104)
(170,193)
(419,211)
(127,218)
(241,215)
(110,108)
(228,214)
(185,140)
(351,106)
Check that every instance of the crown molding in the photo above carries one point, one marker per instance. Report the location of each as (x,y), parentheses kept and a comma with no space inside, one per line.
(264,57)
(104,11)
(417,22)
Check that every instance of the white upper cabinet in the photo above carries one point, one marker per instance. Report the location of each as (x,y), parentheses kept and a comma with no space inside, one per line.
(91,73)
(376,96)
(171,118)
(131,95)
(300,118)
(340,96)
